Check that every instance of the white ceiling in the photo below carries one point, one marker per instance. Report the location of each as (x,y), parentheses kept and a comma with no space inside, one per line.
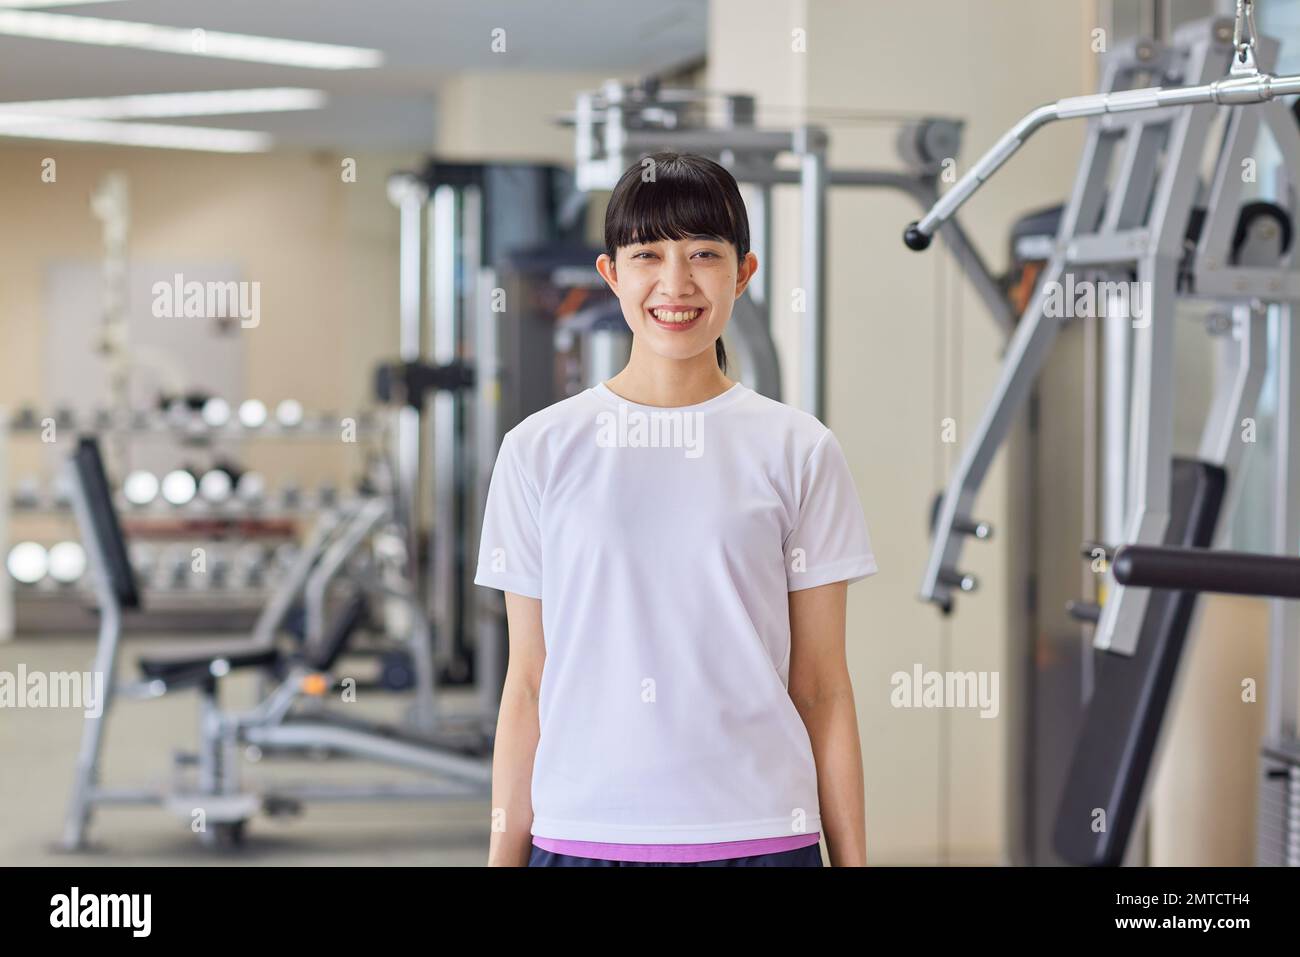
(391,107)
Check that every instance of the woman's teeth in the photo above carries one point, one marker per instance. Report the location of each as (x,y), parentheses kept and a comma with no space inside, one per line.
(665,316)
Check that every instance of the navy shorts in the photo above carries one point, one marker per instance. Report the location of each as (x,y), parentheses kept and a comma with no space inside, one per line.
(810,856)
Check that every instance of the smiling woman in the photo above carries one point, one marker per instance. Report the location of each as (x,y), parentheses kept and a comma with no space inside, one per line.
(692,204)
(677,689)
(524,375)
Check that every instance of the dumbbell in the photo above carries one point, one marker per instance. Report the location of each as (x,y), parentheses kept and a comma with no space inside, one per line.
(216,487)
(396,671)
(252,413)
(179,486)
(62,490)
(285,555)
(28,562)
(251,488)
(290,497)
(67,562)
(250,565)
(140,487)
(216,413)
(27,493)
(289,413)
(176,568)
(144,559)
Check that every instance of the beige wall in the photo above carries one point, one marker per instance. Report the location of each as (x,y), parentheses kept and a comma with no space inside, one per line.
(510,116)
(1203,798)
(325,252)
(934,779)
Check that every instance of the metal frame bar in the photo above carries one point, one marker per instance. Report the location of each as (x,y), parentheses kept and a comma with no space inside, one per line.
(410,194)
(360,744)
(1283,696)
(446,248)
(489,617)
(1243,362)
(1232,91)
(810,145)
(344,545)
(86,776)
(286,592)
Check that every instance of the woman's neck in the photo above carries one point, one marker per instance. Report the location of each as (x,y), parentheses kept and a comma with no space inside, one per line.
(670,385)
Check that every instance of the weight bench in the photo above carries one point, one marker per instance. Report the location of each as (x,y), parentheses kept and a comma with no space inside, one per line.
(290,718)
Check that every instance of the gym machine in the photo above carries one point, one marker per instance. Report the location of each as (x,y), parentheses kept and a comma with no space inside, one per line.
(452,391)
(621,123)
(1140,211)
(293,718)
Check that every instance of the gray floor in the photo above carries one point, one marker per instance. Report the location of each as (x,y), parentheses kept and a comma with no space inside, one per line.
(38,748)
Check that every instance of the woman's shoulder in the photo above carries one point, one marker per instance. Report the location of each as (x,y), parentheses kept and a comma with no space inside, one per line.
(555,421)
(781,418)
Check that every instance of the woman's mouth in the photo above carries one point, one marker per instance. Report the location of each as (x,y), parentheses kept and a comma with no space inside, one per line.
(676,320)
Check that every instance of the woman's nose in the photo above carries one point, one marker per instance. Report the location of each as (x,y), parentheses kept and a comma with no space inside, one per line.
(676,276)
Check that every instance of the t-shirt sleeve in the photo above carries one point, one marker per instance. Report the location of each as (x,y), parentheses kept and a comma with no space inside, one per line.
(510,548)
(829,541)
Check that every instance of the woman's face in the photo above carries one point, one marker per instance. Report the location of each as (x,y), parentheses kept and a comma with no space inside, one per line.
(677,294)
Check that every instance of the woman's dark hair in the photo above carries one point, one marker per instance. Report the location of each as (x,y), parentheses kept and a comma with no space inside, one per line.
(667,195)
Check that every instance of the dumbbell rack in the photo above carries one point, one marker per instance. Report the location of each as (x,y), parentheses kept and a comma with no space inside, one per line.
(235,582)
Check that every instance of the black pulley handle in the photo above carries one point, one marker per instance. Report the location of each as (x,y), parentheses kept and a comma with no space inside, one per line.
(1204,569)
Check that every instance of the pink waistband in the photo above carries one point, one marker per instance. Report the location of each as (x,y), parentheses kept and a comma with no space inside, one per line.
(677,853)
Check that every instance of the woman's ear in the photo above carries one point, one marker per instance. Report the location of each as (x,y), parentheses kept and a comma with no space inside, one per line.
(605,266)
(745,272)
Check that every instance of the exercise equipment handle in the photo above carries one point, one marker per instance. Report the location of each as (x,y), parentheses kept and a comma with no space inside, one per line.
(1235,89)
(1204,569)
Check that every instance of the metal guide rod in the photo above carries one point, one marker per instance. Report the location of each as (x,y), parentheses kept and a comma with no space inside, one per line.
(1235,89)
(1282,698)
(450,223)
(409,194)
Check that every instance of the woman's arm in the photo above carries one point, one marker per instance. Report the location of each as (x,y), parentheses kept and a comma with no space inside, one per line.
(517,735)
(823,694)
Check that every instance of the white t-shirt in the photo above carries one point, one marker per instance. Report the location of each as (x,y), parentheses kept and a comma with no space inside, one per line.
(663,543)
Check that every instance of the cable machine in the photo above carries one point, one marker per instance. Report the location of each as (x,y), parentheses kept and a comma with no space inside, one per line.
(1142,213)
